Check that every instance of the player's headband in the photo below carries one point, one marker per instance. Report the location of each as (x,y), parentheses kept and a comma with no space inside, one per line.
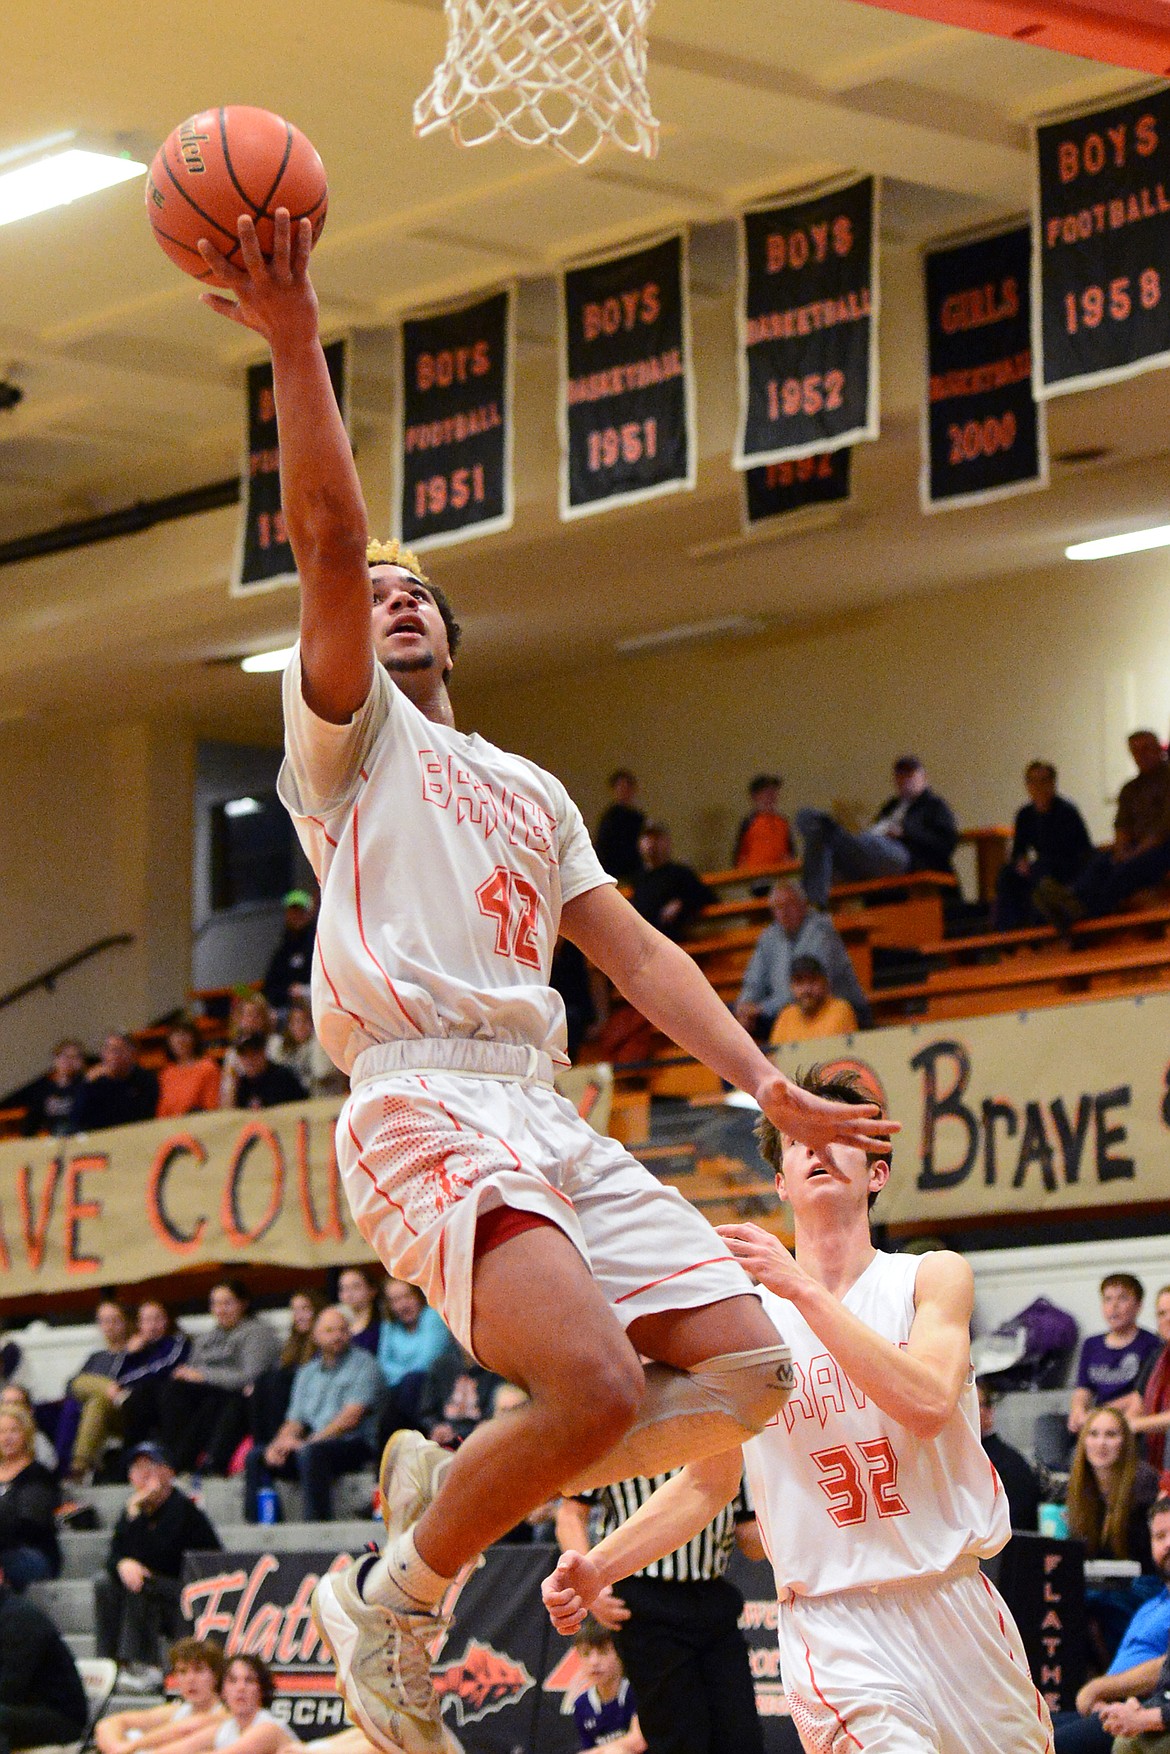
(392,553)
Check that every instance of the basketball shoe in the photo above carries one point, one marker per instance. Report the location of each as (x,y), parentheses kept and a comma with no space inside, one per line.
(409,1475)
(383,1663)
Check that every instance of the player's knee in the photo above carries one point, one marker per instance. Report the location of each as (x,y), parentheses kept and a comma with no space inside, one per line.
(605,1401)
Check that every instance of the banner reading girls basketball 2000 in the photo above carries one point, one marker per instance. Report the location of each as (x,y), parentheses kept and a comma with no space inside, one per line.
(627,393)
(808,326)
(1103,245)
(454,444)
(983,433)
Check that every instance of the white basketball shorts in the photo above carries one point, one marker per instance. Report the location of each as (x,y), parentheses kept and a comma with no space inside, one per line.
(423,1149)
(932,1666)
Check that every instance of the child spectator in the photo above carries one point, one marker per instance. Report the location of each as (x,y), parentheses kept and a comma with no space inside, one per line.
(54,1102)
(605,1713)
(1110,1363)
(814,1012)
(195,1670)
(189,1082)
(764,837)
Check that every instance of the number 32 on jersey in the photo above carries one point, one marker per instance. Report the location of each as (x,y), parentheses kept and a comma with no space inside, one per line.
(513,904)
(854,1474)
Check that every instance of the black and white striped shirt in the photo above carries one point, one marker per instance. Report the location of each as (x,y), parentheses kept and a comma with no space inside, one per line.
(705,1556)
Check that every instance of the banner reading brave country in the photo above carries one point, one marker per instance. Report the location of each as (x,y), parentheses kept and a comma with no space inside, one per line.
(1103,246)
(808,326)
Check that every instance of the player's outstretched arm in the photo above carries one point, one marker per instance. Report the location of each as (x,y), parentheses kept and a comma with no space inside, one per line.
(320,492)
(667,986)
(918,1385)
(679,1509)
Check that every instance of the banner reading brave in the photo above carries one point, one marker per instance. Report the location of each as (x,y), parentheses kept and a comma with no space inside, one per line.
(984,436)
(808,326)
(626,410)
(1103,246)
(454,447)
(264,555)
(775,489)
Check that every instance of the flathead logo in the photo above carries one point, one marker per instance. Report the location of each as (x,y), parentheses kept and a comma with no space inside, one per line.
(482,1680)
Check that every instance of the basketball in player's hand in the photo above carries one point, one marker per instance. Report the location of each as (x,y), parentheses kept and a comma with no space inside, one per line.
(225,162)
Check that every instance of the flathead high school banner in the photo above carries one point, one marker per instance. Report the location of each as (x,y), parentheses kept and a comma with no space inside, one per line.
(264,555)
(454,442)
(808,310)
(626,410)
(983,432)
(1102,225)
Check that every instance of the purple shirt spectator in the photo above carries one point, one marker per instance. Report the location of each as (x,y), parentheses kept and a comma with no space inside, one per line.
(1109,1371)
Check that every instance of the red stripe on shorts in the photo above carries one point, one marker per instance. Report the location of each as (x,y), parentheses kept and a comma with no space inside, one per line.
(374,1183)
(1012,1656)
(667,1277)
(841,1724)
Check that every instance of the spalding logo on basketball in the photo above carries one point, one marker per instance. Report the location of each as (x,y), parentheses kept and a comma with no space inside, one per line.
(224,162)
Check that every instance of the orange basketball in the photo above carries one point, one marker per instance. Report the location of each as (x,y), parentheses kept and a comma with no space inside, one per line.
(225,162)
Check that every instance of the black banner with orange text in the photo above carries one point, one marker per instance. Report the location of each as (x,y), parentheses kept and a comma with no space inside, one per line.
(776,489)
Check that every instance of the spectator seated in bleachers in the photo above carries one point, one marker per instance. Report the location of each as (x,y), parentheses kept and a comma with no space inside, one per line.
(1110,1491)
(269,1397)
(189,1082)
(668,893)
(297,1047)
(195,1670)
(118,1091)
(1050,843)
(53,1104)
(411,1339)
(1140,855)
(1019,1478)
(1135,1668)
(136,1597)
(1148,1409)
(156,1348)
(359,1303)
(251,1014)
(814,1011)
(456,1397)
(605,1711)
(14,1394)
(332,1422)
(291,967)
(796,930)
(1110,1363)
(915,830)
(84,1429)
(259,1082)
(42,1699)
(764,837)
(202,1412)
(28,1502)
(248,1691)
(620,828)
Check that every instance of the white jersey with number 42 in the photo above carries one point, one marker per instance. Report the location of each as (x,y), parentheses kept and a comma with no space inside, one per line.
(846,1497)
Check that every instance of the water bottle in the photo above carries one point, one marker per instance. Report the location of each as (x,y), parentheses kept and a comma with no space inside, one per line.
(1053,1521)
(267,1505)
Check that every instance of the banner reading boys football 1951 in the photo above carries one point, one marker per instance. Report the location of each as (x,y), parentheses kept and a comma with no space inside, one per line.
(1103,245)
(454,443)
(626,410)
(808,308)
(983,432)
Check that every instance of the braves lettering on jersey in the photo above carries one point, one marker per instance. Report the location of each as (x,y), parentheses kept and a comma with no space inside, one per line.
(444,863)
(847,1497)
(601,1721)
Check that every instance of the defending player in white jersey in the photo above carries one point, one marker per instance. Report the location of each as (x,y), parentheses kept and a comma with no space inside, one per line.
(875,1499)
(447,869)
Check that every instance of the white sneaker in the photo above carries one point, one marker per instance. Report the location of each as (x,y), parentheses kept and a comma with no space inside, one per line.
(408,1478)
(383,1663)
(139,1678)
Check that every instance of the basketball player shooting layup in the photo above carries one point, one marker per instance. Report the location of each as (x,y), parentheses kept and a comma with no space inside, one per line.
(875,1498)
(447,869)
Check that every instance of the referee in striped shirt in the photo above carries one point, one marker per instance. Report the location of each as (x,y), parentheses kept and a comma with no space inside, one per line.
(676,1625)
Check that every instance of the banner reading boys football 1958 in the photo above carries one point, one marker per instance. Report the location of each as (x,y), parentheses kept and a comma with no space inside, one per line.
(808,309)
(983,432)
(264,555)
(454,444)
(626,411)
(1102,303)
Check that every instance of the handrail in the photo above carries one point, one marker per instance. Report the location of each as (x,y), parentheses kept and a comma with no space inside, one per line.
(49,978)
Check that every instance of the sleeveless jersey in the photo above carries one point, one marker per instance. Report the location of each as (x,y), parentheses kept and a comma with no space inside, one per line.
(847,1498)
(444,863)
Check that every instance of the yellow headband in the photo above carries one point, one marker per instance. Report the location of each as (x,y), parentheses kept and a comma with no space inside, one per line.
(392,553)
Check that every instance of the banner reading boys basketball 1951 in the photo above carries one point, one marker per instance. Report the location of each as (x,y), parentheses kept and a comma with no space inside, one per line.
(808,326)
(983,432)
(454,446)
(627,393)
(264,555)
(1103,245)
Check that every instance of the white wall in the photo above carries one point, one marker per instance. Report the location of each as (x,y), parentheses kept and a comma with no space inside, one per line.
(1068,1274)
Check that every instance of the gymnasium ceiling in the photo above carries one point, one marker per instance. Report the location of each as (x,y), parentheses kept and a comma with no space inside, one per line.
(132,391)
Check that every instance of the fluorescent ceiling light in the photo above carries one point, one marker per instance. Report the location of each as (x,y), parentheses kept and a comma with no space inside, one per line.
(243,807)
(260,661)
(52,172)
(1131,542)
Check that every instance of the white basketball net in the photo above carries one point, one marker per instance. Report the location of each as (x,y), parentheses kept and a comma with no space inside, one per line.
(564,73)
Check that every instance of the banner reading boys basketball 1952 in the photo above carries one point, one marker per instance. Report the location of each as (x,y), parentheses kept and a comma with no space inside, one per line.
(808,310)
(626,410)
(1102,245)
(454,445)
(264,555)
(983,431)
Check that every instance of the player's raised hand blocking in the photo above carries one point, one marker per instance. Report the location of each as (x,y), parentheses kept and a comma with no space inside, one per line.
(570,1591)
(819,1123)
(273,295)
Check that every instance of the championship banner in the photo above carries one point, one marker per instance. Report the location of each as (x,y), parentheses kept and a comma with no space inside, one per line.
(1037,1113)
(1102,224)
(626,413)
(453,449)
(776,489)
(264,555)
(808,306)
(983,432)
